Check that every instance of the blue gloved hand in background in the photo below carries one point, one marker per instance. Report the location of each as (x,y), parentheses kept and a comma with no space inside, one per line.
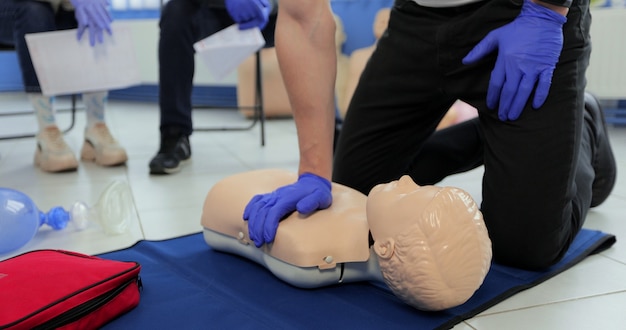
(528,50)
(249,13)
(94,16)
(264,212)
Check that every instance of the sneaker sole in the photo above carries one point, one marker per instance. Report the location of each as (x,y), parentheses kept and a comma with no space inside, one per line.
(89,153)
(173,170)
(68,166)
(606,183)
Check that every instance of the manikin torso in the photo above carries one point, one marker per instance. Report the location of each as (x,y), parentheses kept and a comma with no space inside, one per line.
(327,247)
(331,246)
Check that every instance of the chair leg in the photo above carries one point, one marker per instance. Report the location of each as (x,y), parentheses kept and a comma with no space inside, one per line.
(22,136)
(258,99)
(258,111)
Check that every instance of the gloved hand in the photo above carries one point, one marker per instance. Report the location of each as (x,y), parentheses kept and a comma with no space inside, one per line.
(249,13)
(264,212)
(94,16)
(528,50)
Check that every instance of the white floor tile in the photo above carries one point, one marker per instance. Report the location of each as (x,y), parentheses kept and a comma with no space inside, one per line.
(604,312)
(171,222)
(594,276)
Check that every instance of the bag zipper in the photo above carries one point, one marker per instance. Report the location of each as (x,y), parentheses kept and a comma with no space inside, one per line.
(78,312)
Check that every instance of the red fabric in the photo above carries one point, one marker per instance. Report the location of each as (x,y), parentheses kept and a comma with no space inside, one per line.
(40,285)
(126,301)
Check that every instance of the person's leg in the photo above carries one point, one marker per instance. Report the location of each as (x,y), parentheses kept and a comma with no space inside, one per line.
(52,153)
(7,22)
(538,169)
(460,147)
(99,145)
(454,149)
(602,157)
(545,158)
(30,17)
(95,103)
(33,17)
(183,22)
(398,102)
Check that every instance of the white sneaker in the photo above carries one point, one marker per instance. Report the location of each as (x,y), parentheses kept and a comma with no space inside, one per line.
(53,154)
(101,147)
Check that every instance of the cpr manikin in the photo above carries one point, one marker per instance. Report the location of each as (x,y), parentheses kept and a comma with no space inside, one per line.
(430,243)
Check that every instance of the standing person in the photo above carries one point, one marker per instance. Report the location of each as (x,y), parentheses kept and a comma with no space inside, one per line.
(542,142)
(184,22)
(19,17)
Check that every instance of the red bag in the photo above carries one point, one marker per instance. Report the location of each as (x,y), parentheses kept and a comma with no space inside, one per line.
(53,289)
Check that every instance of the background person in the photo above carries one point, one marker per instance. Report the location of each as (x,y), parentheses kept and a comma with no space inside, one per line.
(183,23)
(91,17)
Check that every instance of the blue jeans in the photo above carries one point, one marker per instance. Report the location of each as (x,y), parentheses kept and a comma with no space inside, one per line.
(183,22)
(19,17)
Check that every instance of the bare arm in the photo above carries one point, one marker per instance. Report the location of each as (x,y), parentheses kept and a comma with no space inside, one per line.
(305,46)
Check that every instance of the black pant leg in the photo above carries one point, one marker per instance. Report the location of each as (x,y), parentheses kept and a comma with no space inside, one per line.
(29,17)
(397,103)
(452,150)
(536,187)
(182,23)
(536,213)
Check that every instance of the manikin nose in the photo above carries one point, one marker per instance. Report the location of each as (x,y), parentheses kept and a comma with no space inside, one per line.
(405,180)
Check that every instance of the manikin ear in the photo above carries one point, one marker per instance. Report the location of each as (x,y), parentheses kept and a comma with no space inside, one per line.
(384,248)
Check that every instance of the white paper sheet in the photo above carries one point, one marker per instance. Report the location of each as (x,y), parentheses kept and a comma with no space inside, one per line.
(222,52)
(67,66)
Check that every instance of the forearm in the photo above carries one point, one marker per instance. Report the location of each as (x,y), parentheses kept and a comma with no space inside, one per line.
(305,47)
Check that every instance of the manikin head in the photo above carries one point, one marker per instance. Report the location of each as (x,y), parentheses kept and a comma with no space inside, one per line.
(381,21)
(432,244)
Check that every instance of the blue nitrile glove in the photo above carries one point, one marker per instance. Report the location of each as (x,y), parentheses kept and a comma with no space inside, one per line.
(264,212)
(92,15)
(249,13)
(528,50)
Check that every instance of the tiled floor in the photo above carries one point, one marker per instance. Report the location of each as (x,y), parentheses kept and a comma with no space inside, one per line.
(591,295)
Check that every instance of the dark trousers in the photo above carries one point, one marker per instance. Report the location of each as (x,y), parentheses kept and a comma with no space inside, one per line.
(19,17)
(537,181)
(184,22)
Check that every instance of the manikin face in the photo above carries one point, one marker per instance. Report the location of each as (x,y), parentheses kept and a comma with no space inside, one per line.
(393,207)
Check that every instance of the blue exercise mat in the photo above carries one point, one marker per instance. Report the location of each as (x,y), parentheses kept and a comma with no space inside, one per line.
(187,285)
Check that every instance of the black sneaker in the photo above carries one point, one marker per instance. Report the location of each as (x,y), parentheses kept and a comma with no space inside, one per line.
(603,159)
(173,151)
